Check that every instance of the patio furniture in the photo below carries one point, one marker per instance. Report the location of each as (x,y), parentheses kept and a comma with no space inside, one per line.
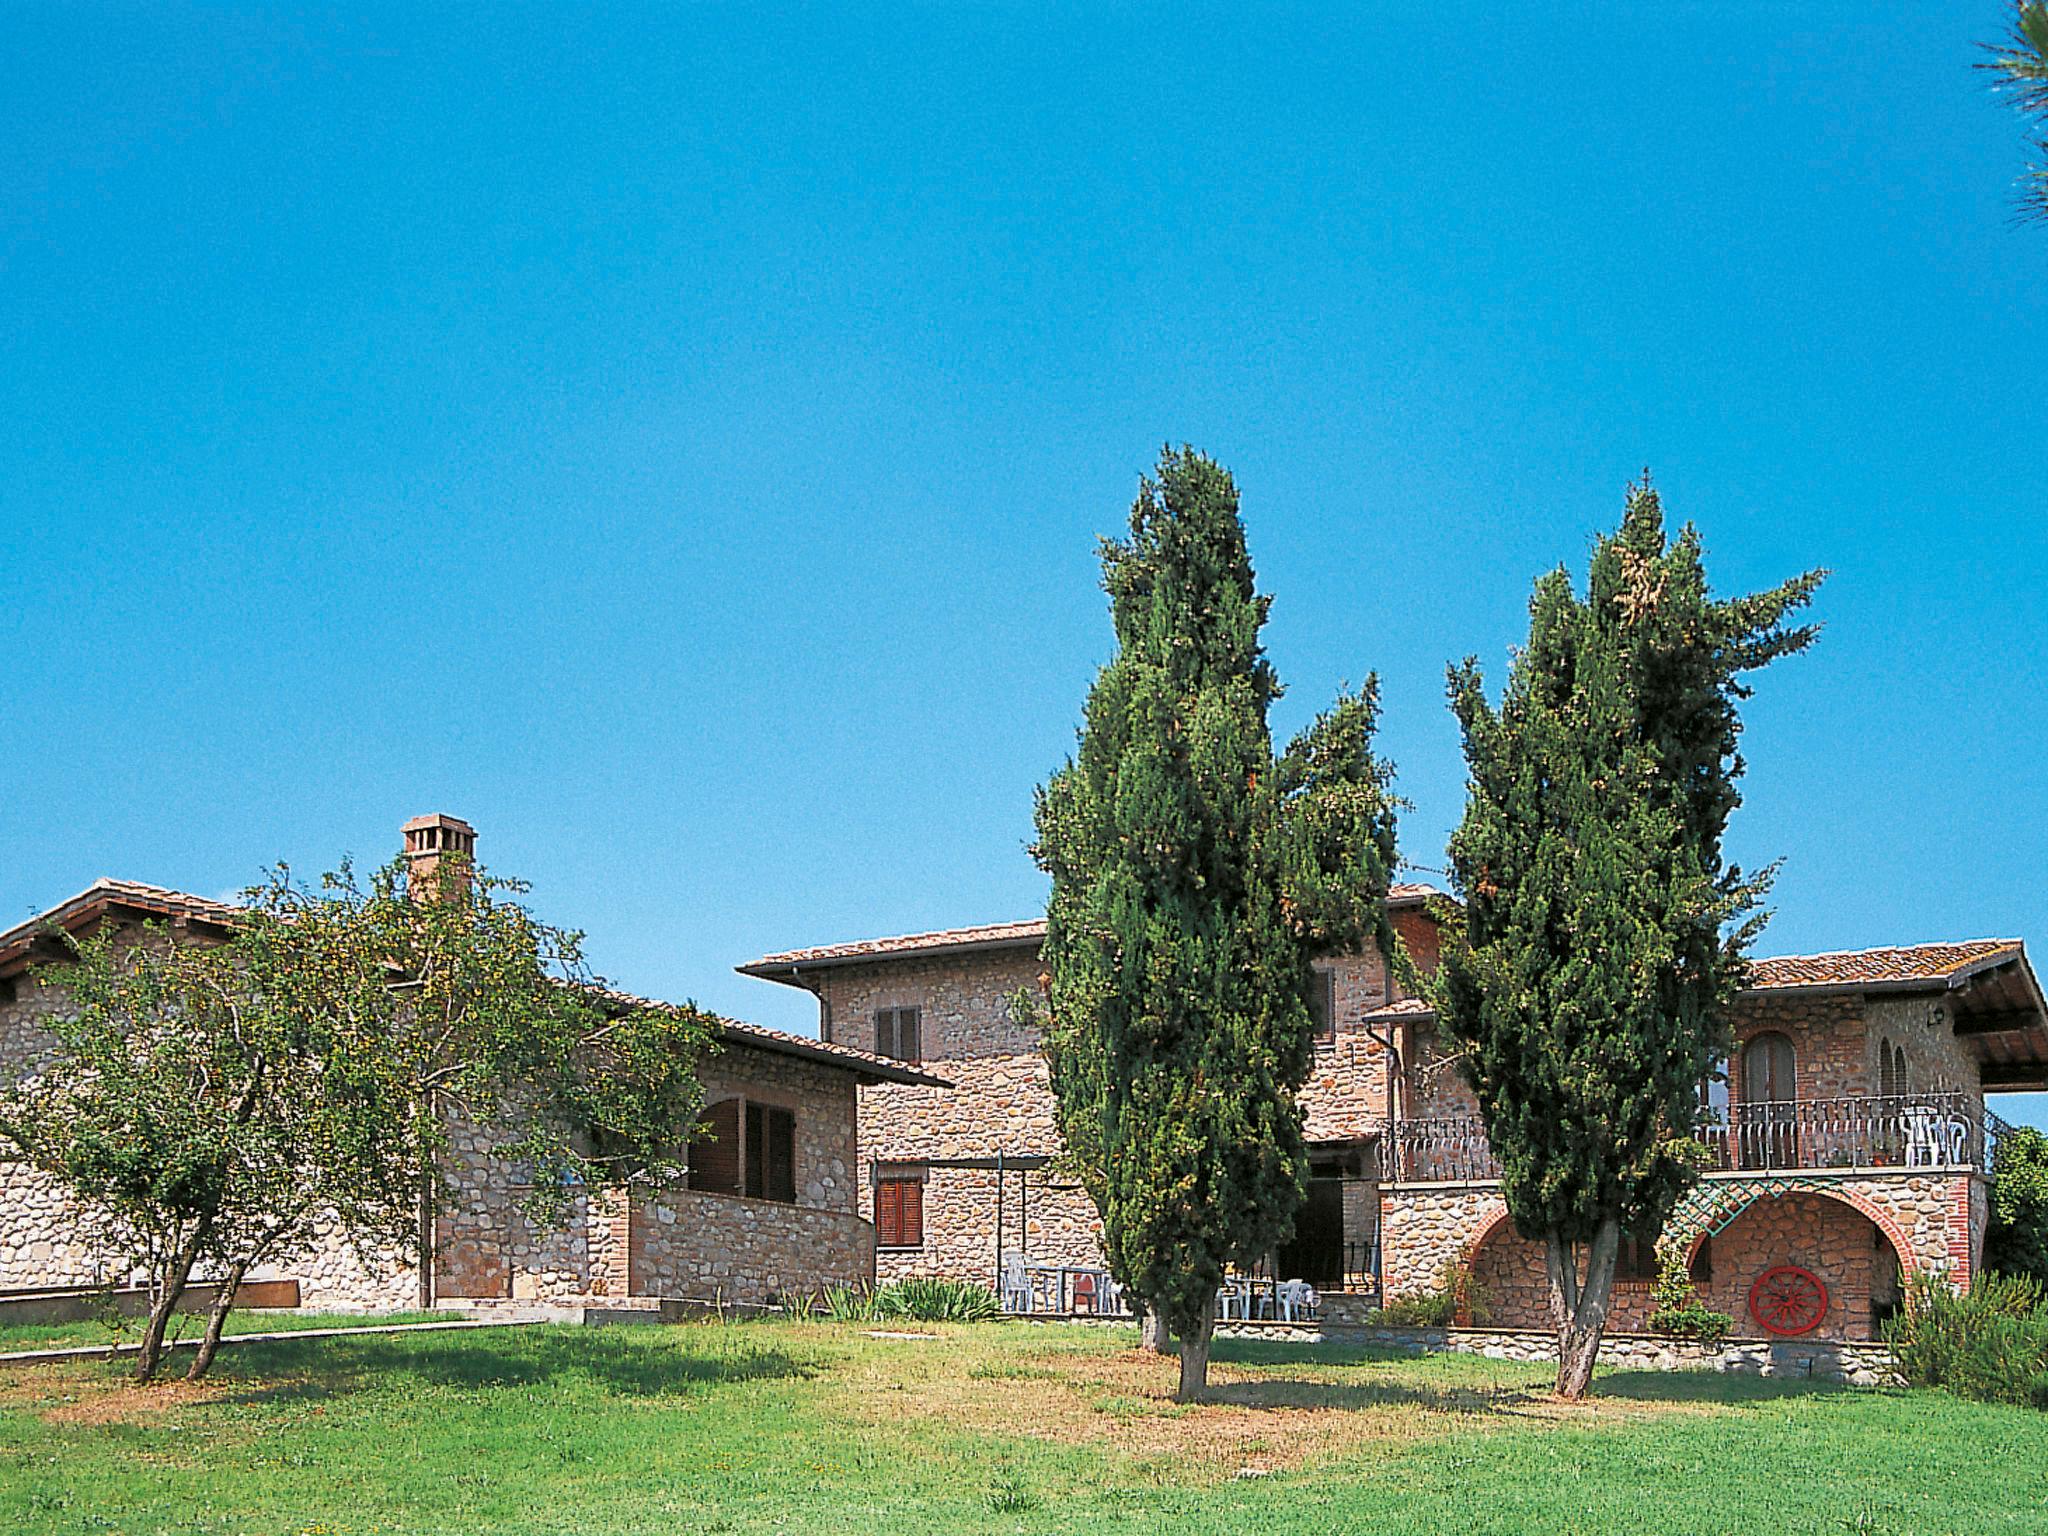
(1933,1139)
(1016,1283)
(1295,1301)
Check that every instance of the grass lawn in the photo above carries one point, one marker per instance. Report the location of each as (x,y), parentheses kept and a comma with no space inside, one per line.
(1007,1427)
(17,1336)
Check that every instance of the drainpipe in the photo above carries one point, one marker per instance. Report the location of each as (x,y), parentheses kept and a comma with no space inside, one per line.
(1395,1071)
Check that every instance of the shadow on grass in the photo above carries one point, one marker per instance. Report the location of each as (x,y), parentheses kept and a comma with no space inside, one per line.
(611,1360)
(1707,1386)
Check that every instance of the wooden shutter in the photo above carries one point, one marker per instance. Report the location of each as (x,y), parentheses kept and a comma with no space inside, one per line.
(908,1046)
(899,1213)
(885,1032)
(1322,1005)
(714,1163)
(771,1153)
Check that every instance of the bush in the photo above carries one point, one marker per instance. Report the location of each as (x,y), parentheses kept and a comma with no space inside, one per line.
(1990,1342)
(1457,1293)
(849,1304)
(926,1300)
(2016,1242)
(1678,1311)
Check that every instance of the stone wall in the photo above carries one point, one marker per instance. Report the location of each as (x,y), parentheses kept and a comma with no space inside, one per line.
(46,1239)
(1856,1363)
(1422,1227)
(1002,1100)
(693,1246)
(487,1248)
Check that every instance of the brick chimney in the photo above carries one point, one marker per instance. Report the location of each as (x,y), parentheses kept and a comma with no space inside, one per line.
(427,840)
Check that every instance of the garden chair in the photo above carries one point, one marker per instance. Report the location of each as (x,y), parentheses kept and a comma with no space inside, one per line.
(1016,1283)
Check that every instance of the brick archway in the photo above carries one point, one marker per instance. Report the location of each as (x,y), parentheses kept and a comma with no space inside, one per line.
(1870,1210)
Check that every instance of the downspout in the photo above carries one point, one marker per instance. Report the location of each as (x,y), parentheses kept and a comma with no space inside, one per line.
(1395,1072)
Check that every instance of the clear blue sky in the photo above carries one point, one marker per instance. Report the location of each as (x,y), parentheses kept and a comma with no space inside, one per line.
(677,442)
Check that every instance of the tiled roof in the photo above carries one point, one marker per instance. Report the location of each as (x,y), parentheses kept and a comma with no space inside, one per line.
(1029,931)
(1902,966)
(87,905)
(755,1036)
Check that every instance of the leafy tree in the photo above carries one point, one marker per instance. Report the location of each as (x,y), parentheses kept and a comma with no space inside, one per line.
(212,1104)
(2019,66)
(2016,1242)
(1194,877)
(1602,938)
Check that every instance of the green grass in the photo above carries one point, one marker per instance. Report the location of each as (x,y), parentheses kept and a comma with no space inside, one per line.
(775,1426)
(19,1336)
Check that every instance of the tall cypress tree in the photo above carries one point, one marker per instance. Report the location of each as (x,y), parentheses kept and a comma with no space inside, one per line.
(1194,876)
(1604,938)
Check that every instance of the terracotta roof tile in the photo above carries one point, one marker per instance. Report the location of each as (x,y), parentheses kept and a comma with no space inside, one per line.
(83,908)
(867,1063)
(1897,966)
(1027,932)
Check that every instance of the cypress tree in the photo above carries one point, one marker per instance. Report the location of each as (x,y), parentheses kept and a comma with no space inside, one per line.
(1603,937)
(1194,876)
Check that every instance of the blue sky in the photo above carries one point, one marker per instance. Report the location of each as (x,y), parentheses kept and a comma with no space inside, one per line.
(676,442)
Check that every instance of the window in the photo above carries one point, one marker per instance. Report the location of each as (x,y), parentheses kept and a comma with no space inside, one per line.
(715,1150)
(1701,1270)
(761,1163)
(1322,1004)
(899,1210)
(1637,1259)
(896,1034)
(1891,1069)
(825,1019)
(771,1153)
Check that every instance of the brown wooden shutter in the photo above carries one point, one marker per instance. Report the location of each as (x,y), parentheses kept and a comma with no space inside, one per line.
(889,1213)
(911,1225)
(908,1046)
(781,1148)
(714,1163)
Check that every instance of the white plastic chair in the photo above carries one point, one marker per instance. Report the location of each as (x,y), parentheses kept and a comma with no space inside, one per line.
(1295,1300)
(1016,1283)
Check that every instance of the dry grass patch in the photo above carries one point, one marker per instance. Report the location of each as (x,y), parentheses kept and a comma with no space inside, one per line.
(1257,1418)
(92,1394)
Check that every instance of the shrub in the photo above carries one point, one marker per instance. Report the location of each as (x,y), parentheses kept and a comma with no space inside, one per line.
(1990,1342)
(928,1300)
(849,1304)
(2016,1242)
(1458,1292)
(1678,1311)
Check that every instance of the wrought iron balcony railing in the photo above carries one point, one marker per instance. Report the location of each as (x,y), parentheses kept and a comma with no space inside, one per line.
(1915,1130)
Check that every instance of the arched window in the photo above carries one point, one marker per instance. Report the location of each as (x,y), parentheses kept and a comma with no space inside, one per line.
(1891,1068)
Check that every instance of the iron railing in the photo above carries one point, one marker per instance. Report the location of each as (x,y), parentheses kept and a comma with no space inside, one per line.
(1450,1149)
(1914,1130)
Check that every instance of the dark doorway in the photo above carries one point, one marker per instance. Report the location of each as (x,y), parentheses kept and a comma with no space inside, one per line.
(1317,1252)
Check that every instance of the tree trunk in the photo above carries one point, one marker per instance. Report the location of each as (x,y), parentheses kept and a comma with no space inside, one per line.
(1152,1331)
(1194,1361)
(223,1303)
(150,1353)
(1578,1307)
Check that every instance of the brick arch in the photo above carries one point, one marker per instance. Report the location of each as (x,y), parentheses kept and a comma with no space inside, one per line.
(1858,1202)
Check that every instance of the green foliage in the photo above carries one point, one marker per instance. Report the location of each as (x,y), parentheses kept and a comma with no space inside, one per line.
(849,1303)
(1677,1309)
(207,1103)
(1194,877)
(1990,1342)
(2016,1242)
(2019,69)
(1603,937)
(926,1299)
(1458,1298)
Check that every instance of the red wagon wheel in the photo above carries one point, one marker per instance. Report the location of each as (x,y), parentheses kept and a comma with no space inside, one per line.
(1788,1300)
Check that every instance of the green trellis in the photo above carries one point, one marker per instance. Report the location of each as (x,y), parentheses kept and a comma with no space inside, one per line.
(1711,1207)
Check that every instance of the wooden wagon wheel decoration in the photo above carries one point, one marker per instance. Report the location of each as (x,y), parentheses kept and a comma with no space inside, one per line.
(1788,1300)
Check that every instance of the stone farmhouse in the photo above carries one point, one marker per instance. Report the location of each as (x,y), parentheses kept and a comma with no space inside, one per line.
(770,1208)
(1850,1149)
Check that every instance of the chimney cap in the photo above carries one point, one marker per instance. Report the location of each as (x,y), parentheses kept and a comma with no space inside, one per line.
(438,819)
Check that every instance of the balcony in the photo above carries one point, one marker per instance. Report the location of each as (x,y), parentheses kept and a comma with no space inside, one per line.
(1906,1131)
